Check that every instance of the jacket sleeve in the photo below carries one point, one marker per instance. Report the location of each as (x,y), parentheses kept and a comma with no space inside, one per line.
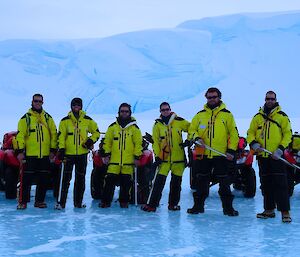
(62,134)
(286,132)
(193,128)
(155,137)
(185,126)
(251,133)
(93,129)
(233,134)
(22,133)
(137,140)
(108,140)
(53,134)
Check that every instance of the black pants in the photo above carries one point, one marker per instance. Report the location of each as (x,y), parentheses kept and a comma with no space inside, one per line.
(80,162)
(274,185)
(203,174)
(34,170)
(110,182)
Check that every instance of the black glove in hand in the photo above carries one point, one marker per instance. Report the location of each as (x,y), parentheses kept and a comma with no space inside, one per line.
(89,143)
(158,161)
(61,154)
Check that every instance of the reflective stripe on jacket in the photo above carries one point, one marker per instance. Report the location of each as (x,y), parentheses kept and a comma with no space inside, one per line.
(73,133)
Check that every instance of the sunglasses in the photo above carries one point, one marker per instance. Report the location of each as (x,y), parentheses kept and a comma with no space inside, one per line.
(165,110)
(270,99)
(37,101)
(76,105)
(124,111)
(212,97)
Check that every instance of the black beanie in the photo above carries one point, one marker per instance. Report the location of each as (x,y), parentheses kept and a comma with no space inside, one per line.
(76,100)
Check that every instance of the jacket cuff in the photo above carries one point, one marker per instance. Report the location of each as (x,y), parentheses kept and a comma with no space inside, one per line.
(281,148)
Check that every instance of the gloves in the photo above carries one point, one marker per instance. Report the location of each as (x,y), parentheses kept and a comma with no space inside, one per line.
(21,157)
(61,154)
(256,147)
(199,142)
(277,154)
(229,156)
(52,154)
(158,161)
(88,144)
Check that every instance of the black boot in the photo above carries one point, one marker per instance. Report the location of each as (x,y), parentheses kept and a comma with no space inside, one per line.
(227,206)
(198,205)
(174,195)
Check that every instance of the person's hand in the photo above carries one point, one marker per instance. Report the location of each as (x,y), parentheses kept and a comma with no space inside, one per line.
(61,154)
(106,160)
(52,155)
(277,154)
(21,157)
(199,142)
(158,161)
(256,147)
(89,144)
(229,156)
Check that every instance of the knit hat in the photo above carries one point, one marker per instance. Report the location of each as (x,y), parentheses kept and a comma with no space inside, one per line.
(77,101)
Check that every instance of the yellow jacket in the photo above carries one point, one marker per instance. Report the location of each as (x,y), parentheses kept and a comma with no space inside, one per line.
(168,138)
(217,128)
(271,131)
(123,144)
(36,134)
(73,133)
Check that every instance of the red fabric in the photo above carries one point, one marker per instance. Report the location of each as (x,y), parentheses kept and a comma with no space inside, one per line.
(289,157)
(97,159)
(146,158)
(7,140)
(10,159)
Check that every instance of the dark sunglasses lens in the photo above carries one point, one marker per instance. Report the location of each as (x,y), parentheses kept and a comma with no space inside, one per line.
(270,99)
(164,110)
(212,97)
(37,101)
(125,111)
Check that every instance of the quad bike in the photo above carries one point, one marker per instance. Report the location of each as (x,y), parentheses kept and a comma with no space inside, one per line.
(10,168)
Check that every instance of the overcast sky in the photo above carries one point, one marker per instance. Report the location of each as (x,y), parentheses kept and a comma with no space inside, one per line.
(62,19)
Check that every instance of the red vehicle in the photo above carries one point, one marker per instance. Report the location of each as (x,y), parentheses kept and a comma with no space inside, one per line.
(242,174)
(244,177)
(9,166)
(98,173)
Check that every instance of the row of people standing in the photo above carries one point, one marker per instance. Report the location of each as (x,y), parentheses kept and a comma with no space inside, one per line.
(214,126)
(36,145)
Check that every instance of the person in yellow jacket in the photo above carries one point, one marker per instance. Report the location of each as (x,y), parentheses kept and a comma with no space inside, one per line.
(77,135)
(270,129)
(215,127)
(35,144)
(169,154)
(122,148)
